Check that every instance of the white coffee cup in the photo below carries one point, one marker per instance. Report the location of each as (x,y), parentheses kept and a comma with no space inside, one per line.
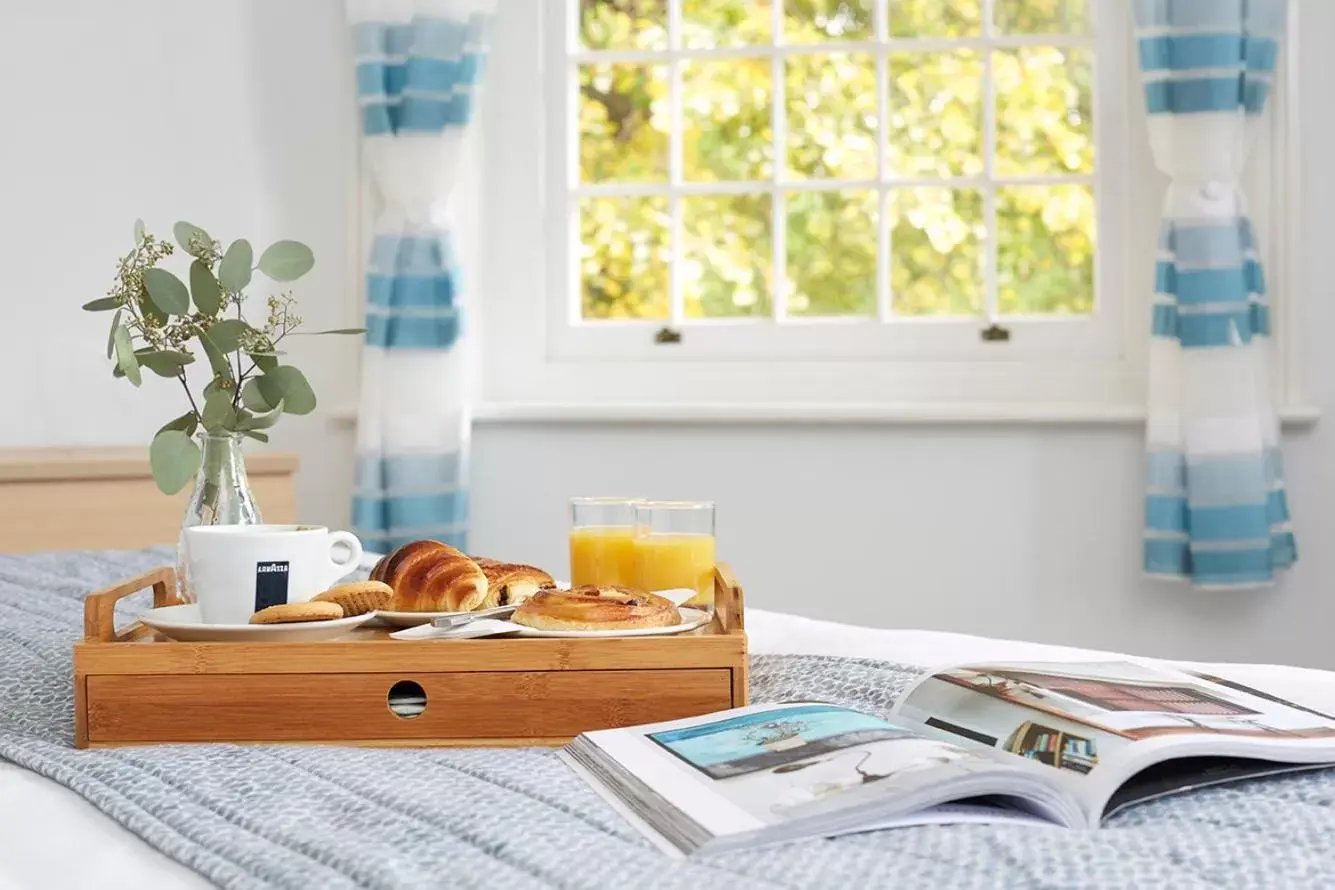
(236,570)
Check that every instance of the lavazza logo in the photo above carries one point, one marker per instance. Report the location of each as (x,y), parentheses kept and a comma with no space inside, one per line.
(266,568)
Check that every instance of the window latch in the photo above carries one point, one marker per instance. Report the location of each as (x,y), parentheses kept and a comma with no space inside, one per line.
(994,333)
(667,335)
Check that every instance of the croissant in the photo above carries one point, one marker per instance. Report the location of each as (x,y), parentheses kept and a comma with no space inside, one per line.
(428,576)
(511,583)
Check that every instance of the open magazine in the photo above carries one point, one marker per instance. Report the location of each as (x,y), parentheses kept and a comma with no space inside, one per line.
(1057,743)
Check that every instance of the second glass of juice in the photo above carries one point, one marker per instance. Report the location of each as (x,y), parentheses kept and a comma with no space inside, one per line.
(602,541)
(674,548)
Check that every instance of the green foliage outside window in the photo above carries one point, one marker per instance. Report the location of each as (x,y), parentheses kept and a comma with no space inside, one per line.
(935,130)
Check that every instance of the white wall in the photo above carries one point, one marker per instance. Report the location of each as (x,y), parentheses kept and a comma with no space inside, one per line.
(236,116)
(1021,532)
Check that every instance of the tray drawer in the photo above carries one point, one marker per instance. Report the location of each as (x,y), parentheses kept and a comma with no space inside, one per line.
(509,707)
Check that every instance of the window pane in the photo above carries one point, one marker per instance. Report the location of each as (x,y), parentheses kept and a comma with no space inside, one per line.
(726,119)
(936,113)
(832,253)
(1042,16)
(623,257)
(937,238)
(727,258)
(707,23)
(623,24)
(1045,249)
(936,18)
(623,123)
(1045,121)
(831,116)
(813,21)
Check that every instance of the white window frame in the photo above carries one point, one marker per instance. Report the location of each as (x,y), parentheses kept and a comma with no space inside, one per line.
(538,365)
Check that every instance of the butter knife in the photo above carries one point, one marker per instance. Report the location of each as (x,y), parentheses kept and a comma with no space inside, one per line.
(470,617)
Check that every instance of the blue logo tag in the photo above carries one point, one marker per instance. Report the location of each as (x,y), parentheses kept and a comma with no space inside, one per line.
(270,584)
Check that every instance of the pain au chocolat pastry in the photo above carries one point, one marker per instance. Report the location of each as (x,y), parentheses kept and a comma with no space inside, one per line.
(510,583)
(594,607)
(428,576)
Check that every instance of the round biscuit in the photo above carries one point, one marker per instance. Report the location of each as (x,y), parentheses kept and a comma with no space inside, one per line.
(292,613)
(359,597)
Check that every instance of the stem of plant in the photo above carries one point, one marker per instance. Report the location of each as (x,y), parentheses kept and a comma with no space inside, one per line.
(185,386)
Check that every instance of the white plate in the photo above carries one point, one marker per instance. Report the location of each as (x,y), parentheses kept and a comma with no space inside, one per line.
(413,619)
(184,624)
(488,627)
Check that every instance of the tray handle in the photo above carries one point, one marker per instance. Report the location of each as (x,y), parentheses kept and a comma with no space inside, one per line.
(728,605)
(99,609)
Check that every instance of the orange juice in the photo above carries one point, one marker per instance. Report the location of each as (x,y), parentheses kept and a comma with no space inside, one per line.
(602,555)
(667,561)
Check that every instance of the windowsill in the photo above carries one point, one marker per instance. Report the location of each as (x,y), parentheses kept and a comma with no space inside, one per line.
(1297,415)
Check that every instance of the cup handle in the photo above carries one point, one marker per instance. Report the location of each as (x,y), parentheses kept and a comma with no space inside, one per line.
(349,540)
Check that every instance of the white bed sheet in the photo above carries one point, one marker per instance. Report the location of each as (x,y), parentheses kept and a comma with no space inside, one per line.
(51,838)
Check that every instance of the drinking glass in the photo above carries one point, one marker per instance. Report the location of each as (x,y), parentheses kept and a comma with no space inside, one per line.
(674,548)
(602,541)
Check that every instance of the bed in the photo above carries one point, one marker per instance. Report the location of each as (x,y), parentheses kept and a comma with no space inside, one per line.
(535,826)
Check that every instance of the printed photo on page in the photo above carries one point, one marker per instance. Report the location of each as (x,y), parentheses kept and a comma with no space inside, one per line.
(1072,715)
(798,760)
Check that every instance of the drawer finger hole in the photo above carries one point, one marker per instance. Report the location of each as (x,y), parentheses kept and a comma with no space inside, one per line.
(407,699)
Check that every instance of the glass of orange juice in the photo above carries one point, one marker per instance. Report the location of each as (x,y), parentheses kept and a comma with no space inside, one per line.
(674,548)
(602,541)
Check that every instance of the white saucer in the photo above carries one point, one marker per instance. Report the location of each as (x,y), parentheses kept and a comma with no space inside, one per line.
(488,627)
(184,624)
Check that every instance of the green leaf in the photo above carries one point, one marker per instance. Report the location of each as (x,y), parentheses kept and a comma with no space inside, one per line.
(163,362)
(149,310)
(258,436)
(334,331)
(265,361)
(286,260)
(186,423)
(138,230)
(261,421)
(102,304)
(186,232)
(218,413)
(253,398)
(174,458)
(226,334)
(111,336)
(217,361)
(234,271)
(288,385)
(125,357)
(204,288)
(167,291)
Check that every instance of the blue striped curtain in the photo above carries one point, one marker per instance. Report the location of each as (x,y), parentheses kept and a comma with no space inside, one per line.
(1216,513)
(419,65)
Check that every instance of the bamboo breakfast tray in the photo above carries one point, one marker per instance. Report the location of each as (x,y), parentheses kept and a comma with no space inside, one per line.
(136,687)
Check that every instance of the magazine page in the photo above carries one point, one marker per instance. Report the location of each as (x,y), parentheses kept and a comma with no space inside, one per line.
(1100,724)
(804,770)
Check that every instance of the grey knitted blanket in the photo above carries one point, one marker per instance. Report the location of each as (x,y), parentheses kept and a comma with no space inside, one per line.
(265,817)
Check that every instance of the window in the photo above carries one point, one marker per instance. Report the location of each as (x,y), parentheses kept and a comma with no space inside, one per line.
(934,206)
(814,159)
(877,164)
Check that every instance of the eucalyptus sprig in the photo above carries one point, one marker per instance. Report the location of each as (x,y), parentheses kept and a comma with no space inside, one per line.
(158,319)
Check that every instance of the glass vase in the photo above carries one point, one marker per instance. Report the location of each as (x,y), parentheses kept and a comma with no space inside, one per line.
(221,497)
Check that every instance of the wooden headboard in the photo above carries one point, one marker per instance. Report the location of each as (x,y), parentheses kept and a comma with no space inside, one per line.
(88,498)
